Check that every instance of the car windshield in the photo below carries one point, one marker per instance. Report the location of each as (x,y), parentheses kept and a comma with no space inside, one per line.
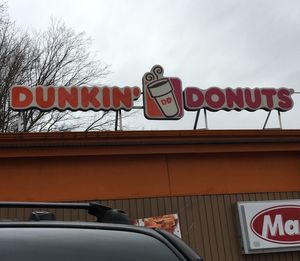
(63,244)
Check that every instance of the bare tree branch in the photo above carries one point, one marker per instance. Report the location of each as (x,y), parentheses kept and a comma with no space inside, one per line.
(59,56)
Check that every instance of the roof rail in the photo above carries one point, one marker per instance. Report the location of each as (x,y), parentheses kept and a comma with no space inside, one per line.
(102,213)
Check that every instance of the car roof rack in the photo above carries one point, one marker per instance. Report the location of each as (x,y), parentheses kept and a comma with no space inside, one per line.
(103,213)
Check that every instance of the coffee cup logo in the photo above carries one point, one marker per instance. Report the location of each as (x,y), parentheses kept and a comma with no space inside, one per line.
(162,95)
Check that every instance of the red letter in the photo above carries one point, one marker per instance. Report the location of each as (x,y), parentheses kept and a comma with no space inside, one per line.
(106,99)
(285,101)
(69,95)
(42,103)
(193,98)
(122,98)
(269,93)
(88,96)
(20,97)
(252,105)
(214,98)
(234,98)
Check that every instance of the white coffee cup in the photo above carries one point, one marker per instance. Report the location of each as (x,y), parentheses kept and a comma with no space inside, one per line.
(162,92)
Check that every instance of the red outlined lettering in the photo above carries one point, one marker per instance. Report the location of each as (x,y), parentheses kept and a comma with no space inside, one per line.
(42,101)
(193,98)
(89,97)
(122,97)
(269,93)
(68,97)
(285,101)
(20,97)
(214,98)
(234,98)
(252,99)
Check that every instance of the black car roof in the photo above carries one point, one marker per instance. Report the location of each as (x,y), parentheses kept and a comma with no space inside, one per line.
(78,242)
(178,248)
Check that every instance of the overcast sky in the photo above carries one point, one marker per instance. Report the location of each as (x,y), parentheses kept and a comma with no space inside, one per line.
(204,42)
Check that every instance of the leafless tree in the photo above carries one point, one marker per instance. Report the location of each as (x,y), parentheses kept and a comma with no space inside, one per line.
(60,57)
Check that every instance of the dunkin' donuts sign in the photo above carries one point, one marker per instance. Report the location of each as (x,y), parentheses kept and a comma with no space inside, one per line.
(269,226)
(164,97)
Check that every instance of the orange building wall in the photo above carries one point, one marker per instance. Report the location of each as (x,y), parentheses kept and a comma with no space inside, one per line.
(120,165)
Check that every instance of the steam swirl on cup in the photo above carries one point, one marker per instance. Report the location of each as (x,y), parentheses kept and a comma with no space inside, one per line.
(158,71)
(150,77)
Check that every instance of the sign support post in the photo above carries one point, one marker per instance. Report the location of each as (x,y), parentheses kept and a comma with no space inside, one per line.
(116,121)
(120,120)
(205,118)
(19,122)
